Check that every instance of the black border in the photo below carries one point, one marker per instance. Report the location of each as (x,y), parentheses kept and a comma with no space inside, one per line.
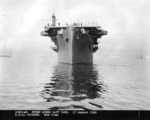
(75,115)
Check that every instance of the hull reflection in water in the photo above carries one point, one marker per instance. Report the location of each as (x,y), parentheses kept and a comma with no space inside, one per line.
(74,87)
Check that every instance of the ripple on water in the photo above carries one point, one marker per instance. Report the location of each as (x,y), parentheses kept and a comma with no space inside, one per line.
(74,87)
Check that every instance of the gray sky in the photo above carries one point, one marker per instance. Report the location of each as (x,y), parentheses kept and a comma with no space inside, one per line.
(127,22)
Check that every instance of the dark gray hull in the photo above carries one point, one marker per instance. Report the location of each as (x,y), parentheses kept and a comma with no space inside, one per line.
(74,47)
(75,44)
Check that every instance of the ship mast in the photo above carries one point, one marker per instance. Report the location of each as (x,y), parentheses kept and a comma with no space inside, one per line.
(53,20)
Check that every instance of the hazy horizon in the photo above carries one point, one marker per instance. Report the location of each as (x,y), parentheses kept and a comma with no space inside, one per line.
(127,23)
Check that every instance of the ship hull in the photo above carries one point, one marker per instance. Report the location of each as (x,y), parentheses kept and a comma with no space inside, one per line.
(74,47)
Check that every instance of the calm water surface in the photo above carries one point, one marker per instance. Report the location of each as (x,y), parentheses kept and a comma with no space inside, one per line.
(38,83)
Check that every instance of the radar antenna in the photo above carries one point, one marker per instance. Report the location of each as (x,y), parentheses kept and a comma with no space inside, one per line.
(53,20)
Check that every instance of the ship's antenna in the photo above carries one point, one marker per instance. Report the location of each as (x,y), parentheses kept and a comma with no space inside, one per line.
(53,20)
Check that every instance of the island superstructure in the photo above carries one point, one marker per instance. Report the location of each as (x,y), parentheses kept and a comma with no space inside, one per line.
(76,43)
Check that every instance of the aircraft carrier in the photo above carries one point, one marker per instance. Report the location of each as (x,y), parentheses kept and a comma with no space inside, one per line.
(75,43)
